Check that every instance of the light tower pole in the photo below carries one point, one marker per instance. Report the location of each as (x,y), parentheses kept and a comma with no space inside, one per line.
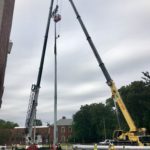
(57,18)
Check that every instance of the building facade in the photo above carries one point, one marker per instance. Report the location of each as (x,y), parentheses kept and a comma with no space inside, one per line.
(64,130)
(44,134)
(6,15)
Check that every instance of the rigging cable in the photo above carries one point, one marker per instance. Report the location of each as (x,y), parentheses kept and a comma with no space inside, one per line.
(117,115)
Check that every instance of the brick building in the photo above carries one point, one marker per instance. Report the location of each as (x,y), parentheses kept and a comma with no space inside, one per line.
(64,129)
(44,133)
(18,135)
(6,14)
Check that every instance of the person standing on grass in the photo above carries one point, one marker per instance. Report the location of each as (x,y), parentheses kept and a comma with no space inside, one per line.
(59,147)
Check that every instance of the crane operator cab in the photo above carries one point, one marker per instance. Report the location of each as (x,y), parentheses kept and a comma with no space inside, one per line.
(131,137)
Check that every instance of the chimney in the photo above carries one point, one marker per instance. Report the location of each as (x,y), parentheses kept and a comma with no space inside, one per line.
(63,117)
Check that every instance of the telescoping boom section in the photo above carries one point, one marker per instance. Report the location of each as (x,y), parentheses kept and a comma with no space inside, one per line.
(33,101)
(132,135)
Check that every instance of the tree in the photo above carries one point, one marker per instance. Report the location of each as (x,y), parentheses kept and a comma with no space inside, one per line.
(136,97)
(146,78)
(38,122)
(7,124)
(5,130)
(92,122)
(5,135)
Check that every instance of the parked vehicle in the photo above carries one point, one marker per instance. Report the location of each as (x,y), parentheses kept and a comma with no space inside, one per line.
(106,142)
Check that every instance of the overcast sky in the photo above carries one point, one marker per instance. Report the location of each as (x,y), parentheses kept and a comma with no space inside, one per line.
(120,31)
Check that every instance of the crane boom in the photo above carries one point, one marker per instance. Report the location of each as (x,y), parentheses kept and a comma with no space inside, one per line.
(33,101)
(114,90)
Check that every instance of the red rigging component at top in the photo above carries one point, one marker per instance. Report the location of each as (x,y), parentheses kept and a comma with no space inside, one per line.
(57,17)
(32,147)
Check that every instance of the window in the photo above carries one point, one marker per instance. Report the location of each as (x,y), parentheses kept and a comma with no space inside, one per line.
(63,139)
(62,129)
(69,137)
(70,129)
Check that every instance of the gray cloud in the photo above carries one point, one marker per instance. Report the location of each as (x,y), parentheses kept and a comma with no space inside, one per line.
(120,31)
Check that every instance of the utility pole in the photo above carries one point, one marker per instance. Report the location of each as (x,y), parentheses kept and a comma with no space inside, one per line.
(57,18)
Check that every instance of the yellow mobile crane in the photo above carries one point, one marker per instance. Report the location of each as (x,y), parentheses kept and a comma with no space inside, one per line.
(134,135)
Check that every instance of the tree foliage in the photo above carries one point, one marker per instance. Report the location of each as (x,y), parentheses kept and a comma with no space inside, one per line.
(146,78)
(38,122)
(5,134)
(136,97)
(7,124)
(91,120)
(5,130)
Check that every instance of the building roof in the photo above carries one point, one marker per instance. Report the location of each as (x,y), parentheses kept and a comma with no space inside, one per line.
(64,122)
(33,127)
(61,122)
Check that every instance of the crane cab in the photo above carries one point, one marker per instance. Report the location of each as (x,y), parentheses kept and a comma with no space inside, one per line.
(125,138)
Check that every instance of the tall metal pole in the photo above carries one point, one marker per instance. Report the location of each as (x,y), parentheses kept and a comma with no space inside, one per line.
(57,18)
(55,92)
(104,127)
